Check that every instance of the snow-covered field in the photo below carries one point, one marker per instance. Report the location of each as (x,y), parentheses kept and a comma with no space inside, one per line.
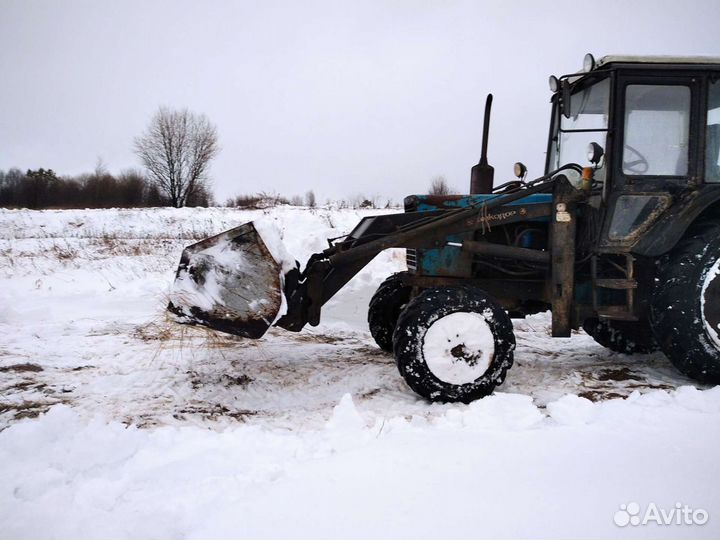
(119,423)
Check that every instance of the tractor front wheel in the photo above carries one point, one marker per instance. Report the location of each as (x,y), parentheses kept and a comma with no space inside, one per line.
(385,306)
(685,311)
(453,344)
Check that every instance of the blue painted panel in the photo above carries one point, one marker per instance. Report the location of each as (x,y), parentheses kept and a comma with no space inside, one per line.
(423,206)
(446,261)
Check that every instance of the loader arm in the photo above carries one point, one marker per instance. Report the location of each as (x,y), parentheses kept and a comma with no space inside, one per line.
(242,281)
(329,271)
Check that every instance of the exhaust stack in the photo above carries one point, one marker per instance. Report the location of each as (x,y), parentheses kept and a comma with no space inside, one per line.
(482,174)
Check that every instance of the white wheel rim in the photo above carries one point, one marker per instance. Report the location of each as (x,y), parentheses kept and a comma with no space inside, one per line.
(712,330)
(459,348)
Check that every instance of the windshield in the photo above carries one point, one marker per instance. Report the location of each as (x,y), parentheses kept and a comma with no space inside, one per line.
(588,123)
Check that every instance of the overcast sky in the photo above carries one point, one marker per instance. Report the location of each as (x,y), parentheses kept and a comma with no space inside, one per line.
(340,97)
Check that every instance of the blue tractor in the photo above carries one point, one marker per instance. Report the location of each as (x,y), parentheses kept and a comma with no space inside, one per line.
(620,236)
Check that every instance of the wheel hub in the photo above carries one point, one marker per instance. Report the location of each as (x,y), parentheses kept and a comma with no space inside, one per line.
(462,352)
(459,348)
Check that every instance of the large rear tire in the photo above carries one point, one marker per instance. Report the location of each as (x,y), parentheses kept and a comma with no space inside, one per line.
(388,301)
(685,311)
(453,344)
(627,337)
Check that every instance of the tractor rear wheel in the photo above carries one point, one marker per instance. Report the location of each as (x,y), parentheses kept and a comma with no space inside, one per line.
(388,301)
(685,311)
(453,344)
(627,337)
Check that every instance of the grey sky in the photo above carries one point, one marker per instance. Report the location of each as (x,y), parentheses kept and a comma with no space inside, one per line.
(339,97)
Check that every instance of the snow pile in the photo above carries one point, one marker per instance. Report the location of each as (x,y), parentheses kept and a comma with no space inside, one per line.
(495,468)
(572,410)
(272,238)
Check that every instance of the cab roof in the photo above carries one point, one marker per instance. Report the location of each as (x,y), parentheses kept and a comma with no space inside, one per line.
(631,59)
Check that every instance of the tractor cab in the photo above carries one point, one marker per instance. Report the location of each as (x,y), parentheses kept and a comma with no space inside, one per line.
(651,126)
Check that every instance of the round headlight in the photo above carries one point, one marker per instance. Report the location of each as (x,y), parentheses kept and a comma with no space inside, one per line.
(588,62)
(554,83)
(520,170)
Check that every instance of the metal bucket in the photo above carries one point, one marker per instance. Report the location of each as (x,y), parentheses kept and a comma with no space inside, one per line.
(229,282)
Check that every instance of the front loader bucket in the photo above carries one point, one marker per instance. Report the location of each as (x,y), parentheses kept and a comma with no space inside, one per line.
(229,282)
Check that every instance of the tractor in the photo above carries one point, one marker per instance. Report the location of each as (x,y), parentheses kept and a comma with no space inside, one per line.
(619,236)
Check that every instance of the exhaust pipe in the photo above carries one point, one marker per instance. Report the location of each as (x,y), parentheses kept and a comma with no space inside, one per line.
(482,174)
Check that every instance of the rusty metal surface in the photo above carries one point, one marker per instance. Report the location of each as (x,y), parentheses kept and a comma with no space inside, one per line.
(229,282)
(562,248)
(510,252)
(616,283)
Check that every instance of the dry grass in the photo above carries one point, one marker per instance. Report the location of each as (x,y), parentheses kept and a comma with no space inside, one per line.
(64,253)
(170,333)
(172,339)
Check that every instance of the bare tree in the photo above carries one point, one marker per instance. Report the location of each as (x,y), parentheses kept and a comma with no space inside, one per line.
(310,201)
(439,186)
(100,167)
(177,149)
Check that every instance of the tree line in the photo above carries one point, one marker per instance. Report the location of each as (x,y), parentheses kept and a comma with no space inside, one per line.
(176,150)
(43,188)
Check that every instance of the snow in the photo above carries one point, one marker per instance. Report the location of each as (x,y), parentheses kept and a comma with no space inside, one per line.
(272,238)
(572,410)
(187,293)
(469,331)
(118,423)
(498,468)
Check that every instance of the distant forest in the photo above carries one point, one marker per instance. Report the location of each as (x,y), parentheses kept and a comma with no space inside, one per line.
(42,188)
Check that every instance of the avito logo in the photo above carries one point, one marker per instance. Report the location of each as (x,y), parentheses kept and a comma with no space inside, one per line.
(680,514)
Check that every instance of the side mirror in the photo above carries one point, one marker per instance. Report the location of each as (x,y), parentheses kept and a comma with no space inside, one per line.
(595,153)
(565,98)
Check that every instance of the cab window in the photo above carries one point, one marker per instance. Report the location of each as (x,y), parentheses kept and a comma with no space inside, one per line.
(588,123)
(657,122)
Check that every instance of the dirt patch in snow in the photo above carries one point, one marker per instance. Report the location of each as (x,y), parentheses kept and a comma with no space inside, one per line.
(620,374)
(25,409)
(213,412)
(27,367)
